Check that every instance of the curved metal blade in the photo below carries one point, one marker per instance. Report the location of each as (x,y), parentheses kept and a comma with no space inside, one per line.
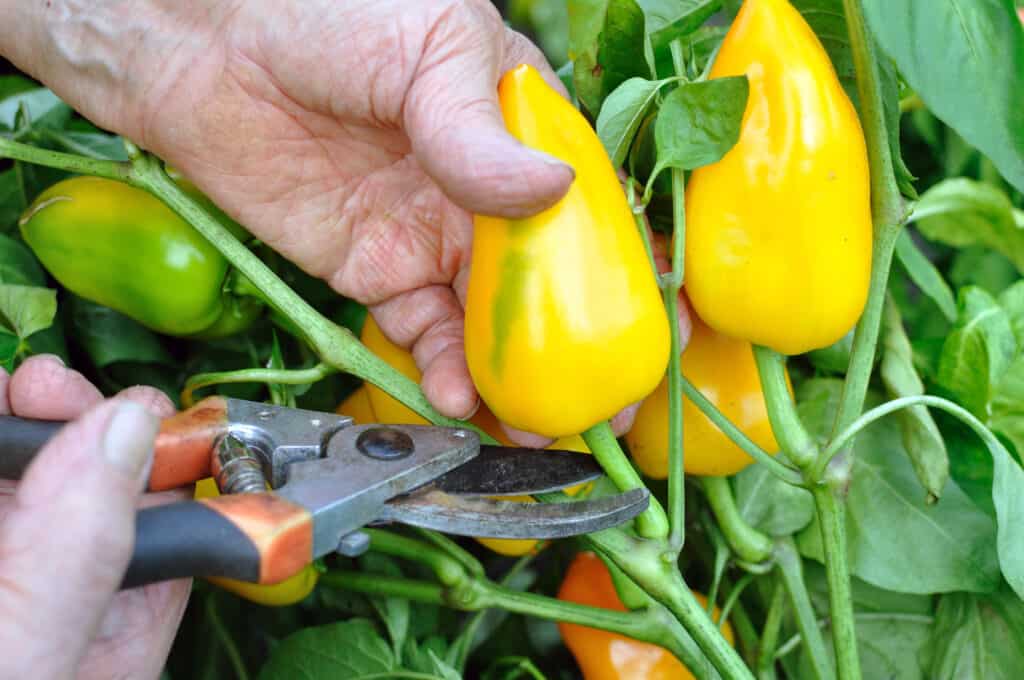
(511,471)
(481,517)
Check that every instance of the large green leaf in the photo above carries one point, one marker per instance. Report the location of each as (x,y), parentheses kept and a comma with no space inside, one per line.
(110,337)
(925,275)
(977,353)
(895,539)
(962,212)
(622,113)
(771,505)
(606,46)
(18,265)
(351,649)
(699,122)
(965,59)
(977,637)
(44,108)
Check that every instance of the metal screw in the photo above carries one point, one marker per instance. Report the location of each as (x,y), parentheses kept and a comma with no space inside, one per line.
(384,443)
(354,544)
(237,469)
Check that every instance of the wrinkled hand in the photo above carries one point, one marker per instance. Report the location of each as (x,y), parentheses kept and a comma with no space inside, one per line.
(66,534)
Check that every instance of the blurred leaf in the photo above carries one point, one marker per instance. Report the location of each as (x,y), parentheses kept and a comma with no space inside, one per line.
(12,203)
(962,212)
(351,649)
(965,59)
(699,122)
(109,337)
(836,357)
(622,113)
(45,109)
(1007,407)
(895,540)
(1008,480)
(889,645)
(977,636)
(925,275)
(982,267)
(91,144)
(669,20)
(393,611)
(771,505)
(25,310)
(921,436)
(12,85)
(1012,301)
(18,265)
(606,39)
(977,353)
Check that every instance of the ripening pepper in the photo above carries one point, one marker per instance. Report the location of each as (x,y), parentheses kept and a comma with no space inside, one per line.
(602,655)
(778,232)
(564,321)
(293,589)
(375,405)
(724,371)
(122,247)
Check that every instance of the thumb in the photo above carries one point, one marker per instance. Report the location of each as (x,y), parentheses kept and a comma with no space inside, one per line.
(458,136)
(67,539)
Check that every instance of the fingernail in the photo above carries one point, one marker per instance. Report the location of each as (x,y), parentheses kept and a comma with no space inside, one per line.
(128,442)
(550,160)
(53,358)
(472,411)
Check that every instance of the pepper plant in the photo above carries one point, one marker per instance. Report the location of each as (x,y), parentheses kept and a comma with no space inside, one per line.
(840,187)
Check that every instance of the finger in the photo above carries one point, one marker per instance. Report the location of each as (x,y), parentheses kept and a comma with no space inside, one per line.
(528,439)
(430,321)
(5,381)
(623,420)
(65,544)
(150,398)
(519,50)
(43,387)
(453,120)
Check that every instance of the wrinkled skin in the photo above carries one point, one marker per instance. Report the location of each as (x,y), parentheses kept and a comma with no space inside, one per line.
(65,538)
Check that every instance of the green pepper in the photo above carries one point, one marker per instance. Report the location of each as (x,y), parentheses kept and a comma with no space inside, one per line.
(122,247)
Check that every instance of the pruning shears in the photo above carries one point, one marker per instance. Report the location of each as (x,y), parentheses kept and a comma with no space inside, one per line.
(297,485)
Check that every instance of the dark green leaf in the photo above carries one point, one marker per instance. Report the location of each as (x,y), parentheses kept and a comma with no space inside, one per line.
(25,310)
(977,636)
(867,599)
(965,59)
(925,275)
(351,649)
(962,212)
(45,109)
(895,540)
(110,337)
(12,202)
(12,85)
(622,113)
(771,505)
(606,45)
(668,20)
(18,265)
(9,346)
(977,353)
(836,357)
(921,436)
(699,122)
(393,611)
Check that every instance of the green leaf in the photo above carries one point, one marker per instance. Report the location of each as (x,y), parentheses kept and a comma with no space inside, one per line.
(921,436)
(771,505)
(977,353)
(836,357)
(965,59)
(606,46)
(92,144)
(962,212)
(12,85)
(668,20)
(925,275)
(622,113)
(977,637)
(351,649)
(699,122)
(889,646)
(1008,480)
(895,540)
(983,267)
(25,310)
(45,109)
(18,265)
(1012,300)
(110,337)
(12,201)
(1007,417)
(393,611)
(828,21)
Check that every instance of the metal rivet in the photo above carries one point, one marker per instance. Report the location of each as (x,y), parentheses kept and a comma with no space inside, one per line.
(461,434)
(265,415)
(354,544)
(384,443)
(315,422)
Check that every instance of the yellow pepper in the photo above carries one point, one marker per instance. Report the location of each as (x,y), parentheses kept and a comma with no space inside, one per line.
(723,370)
(778,232)
(564,321)
(368,403)
(291,590)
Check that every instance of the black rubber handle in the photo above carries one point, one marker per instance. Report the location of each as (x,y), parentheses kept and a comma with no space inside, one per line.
(20,441)
(189,539)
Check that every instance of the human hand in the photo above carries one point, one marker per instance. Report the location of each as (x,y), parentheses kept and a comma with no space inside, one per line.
(66,533)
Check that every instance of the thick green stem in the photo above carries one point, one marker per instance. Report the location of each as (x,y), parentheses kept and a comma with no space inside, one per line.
(454,550)
(601,441)
(746,541)
(786,425)
(791,570)
(280,376)
(448,570)
(117,170)
(780,470)
(770,634)
(832,523)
